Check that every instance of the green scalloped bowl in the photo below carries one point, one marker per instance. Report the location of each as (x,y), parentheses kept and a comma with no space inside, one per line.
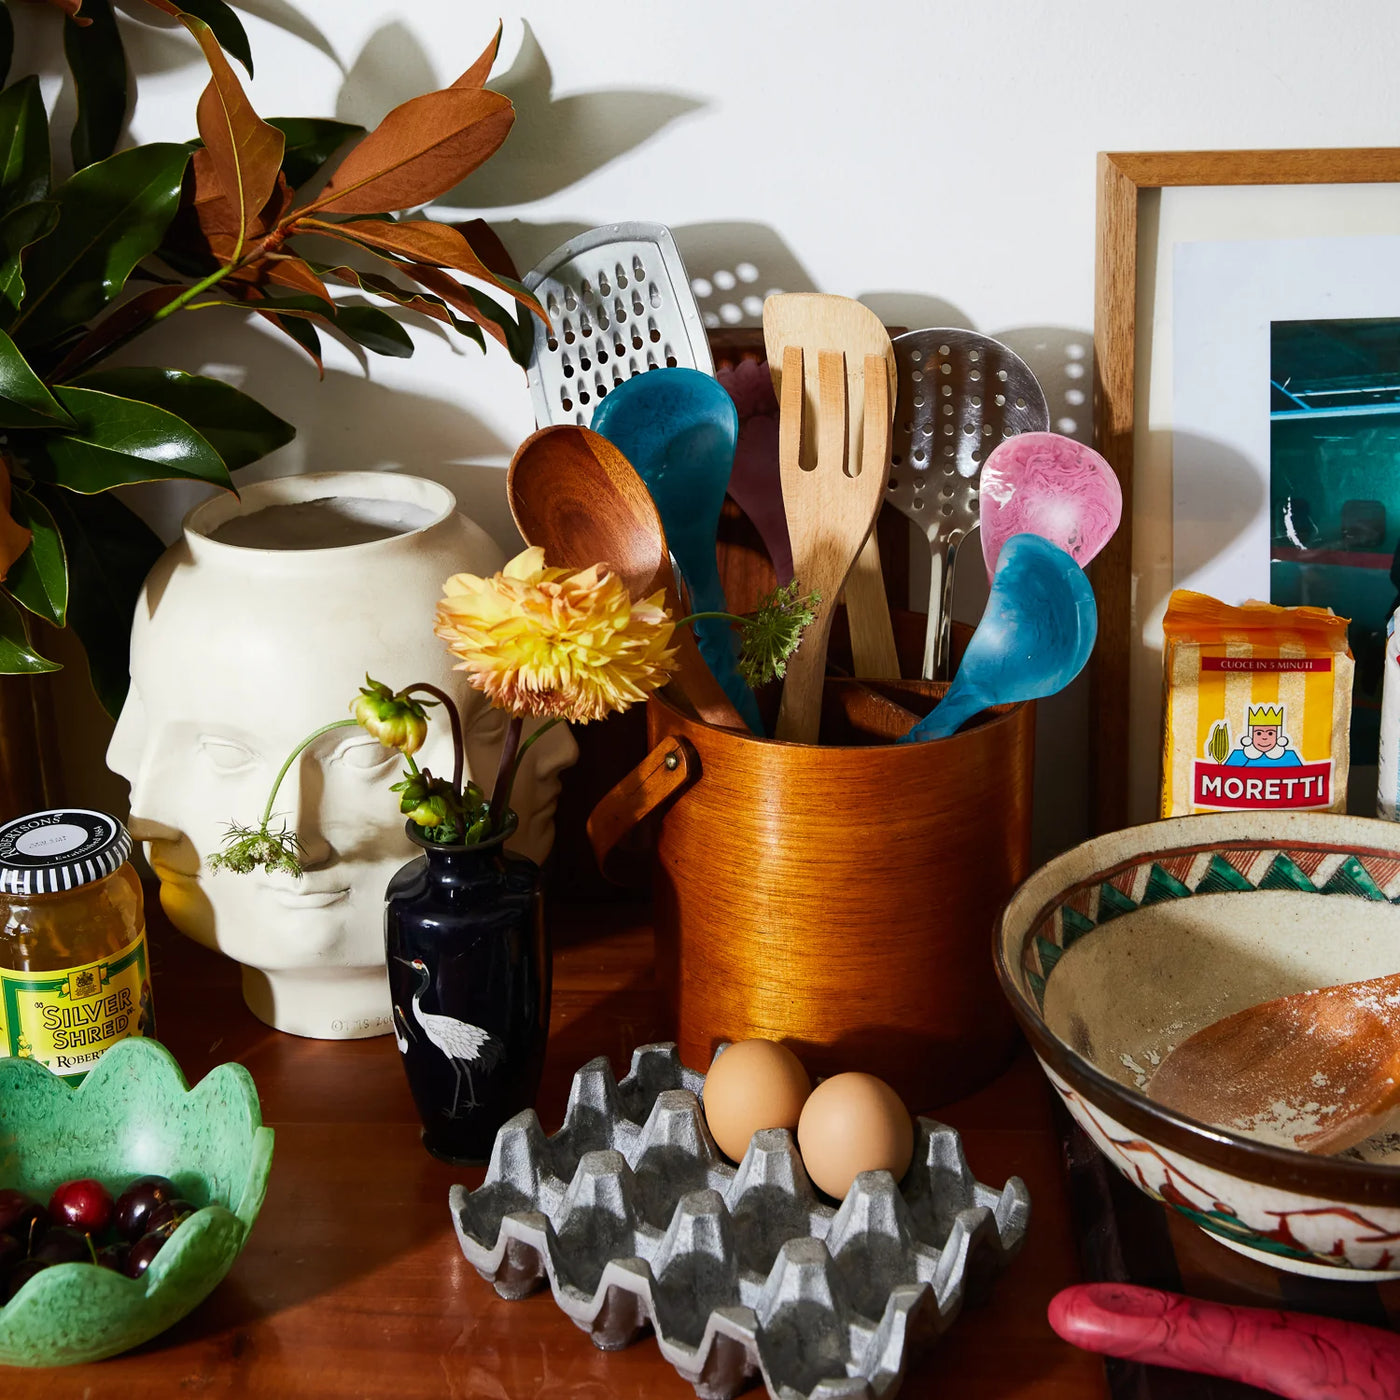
(133,1115)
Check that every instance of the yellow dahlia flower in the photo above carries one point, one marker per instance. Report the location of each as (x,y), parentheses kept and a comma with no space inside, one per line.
(555,643)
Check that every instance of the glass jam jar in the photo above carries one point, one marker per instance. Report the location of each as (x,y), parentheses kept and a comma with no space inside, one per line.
(74,972)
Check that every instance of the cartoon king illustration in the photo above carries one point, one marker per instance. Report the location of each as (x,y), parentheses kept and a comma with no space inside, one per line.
(1264,744)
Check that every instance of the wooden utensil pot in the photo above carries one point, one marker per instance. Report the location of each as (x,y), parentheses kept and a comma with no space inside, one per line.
(839,897)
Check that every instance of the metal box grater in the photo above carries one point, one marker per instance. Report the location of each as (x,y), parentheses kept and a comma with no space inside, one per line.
(619,303)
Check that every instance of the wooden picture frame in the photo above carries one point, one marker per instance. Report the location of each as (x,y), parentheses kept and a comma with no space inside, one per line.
(1124,178)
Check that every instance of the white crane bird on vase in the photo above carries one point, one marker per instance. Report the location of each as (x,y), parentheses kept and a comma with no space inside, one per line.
(464,1045)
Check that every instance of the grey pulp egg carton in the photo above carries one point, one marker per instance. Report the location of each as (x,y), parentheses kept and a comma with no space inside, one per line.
(636,1221)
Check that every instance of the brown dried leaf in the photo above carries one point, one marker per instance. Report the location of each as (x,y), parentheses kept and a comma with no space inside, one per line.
(419,151)
(438,282)
(218,220)
(116,324)
(14,538)
(391,291)
(489,247)
(245,152)
(422,241)
(477,74)
(288,271)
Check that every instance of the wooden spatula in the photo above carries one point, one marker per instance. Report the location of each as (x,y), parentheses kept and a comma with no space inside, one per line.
(817,323)
(829,512)
(1320,1068)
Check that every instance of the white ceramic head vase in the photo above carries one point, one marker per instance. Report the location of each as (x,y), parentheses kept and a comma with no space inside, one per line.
(238,652)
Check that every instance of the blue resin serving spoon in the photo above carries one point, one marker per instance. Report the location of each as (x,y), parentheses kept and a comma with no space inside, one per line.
(1035,635)
(678,428)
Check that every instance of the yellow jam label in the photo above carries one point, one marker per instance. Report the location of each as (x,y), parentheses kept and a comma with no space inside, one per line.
(67,1018)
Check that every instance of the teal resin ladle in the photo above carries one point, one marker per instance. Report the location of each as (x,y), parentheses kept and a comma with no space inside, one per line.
(1035,635)
(678,428)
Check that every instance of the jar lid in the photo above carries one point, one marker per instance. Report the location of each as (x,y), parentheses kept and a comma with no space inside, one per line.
(60,849)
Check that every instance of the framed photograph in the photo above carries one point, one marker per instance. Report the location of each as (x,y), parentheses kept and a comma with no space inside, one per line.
(1247,393)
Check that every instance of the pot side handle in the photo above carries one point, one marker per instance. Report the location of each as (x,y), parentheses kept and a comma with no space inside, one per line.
(670,768)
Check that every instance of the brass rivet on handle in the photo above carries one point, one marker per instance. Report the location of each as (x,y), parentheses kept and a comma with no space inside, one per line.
(673,761)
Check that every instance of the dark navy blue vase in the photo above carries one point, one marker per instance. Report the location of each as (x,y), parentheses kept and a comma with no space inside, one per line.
(469,972)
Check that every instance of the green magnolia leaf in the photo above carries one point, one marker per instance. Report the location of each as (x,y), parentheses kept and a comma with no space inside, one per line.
(228,28)
(111,215)
(7,42)
(18,230)
(110,552)
(39,577)
(303,332)
(24,401)
(516,324)
(17,654)
(235,425)
(366,325)
(425,303)
(311,142)
(24,145)
(118,441)
(374,329)
(97,60)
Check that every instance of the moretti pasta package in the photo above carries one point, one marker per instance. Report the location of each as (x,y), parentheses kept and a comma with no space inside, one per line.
(1256,706)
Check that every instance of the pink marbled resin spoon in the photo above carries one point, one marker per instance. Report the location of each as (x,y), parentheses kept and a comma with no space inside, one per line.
(1048,485)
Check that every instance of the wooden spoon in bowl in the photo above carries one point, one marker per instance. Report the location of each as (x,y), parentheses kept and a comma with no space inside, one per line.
(577,497)
(1319,1071)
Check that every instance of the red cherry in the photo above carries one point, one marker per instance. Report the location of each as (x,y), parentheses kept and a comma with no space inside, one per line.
(169,1216)
(11,1252)
(143,1252)
(86,1205)
(136,1203)
(113,1256)
(21,1274)
(60,1245)
(18,1211)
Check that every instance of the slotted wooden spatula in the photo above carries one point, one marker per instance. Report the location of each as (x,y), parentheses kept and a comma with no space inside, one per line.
(828,325)
(829,510)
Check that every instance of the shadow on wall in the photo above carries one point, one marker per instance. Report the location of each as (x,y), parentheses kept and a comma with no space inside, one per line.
(555,141)
(1222,495)
(344,423)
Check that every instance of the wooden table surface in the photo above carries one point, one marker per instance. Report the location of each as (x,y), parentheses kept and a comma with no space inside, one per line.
(352,1283)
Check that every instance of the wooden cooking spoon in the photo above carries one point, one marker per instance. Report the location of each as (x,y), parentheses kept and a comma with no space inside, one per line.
(823,325)
(1320,1069)
(577,497)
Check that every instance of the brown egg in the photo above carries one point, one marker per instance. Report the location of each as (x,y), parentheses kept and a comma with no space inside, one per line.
(753,1084)
(853,1123)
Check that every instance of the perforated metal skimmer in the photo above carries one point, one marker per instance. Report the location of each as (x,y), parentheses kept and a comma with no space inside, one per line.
(959,395)
(619,304)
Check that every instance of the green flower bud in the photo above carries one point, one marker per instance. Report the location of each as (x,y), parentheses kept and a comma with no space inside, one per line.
(427,801)
(397,721)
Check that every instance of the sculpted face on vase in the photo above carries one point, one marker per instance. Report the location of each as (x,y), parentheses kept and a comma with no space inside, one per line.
(238,652)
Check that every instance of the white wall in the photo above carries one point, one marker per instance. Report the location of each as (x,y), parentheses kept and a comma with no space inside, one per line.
(934,159)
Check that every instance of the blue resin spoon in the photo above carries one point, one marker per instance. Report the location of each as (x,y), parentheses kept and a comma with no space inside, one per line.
(678,428)
(1035,635)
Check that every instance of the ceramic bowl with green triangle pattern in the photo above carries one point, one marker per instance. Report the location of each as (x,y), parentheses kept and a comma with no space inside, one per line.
(1118,950)
(133,1115)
